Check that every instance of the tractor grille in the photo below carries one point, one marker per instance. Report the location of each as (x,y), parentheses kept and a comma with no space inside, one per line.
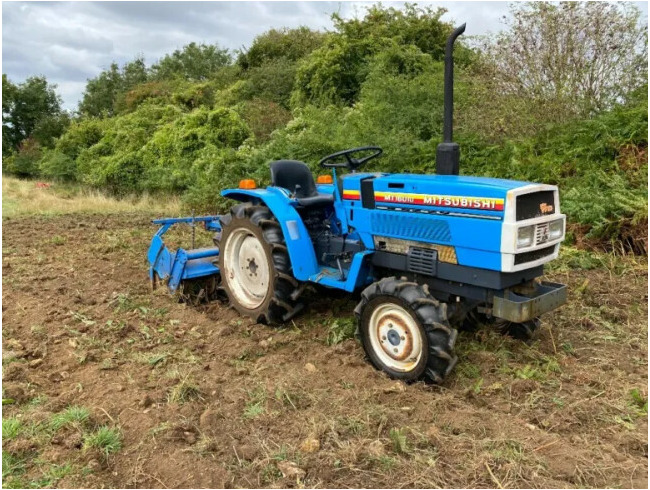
(533,255)
(535,204)
(421,261)
(416,228)
(542,233)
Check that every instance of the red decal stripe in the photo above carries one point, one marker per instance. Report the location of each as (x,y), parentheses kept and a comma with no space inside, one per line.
(352,195)
(458,202)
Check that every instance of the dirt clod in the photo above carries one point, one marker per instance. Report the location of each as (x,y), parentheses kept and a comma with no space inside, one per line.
(290,469)
(310,445)
(310,368)
(225,331)
(190,437)
(35,363)
(14,372)
(376,449)
(209,419)
(14,392)
(146,402)
(247,452)
(396,387)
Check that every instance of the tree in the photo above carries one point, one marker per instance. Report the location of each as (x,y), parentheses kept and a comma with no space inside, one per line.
(558,61)
(103,91)
(31,109)
(270,64)
(285,44)
(195,62)
(8,96)
(334,73)
(419,26)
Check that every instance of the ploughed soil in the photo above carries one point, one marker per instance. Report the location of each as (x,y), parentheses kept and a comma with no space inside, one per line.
(202,397)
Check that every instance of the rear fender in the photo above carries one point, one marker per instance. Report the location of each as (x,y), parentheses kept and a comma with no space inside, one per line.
(298,241)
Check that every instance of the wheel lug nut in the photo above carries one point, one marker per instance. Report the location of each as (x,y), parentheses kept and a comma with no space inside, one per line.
(403,338)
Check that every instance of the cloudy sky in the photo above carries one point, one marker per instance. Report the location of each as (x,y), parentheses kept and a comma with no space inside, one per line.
(70,42)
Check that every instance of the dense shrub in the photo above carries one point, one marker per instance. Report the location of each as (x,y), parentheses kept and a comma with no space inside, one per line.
(58,166)
(115,162)
(25,162)
(263,117)
(280,44)
(176,151)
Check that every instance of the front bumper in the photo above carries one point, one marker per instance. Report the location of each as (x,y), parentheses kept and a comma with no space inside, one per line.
(519,308)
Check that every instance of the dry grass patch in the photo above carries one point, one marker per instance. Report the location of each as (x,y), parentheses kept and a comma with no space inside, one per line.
(23,197)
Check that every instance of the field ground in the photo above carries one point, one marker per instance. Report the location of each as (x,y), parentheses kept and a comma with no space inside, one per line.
(110,385)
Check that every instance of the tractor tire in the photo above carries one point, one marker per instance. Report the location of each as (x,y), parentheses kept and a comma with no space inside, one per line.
(405,331)
(521,331)
(256,272)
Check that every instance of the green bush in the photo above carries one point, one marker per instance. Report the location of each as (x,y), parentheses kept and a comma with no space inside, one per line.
(58,166)
(25,162)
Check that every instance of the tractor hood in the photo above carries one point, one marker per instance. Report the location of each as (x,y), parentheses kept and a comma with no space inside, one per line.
(443,193)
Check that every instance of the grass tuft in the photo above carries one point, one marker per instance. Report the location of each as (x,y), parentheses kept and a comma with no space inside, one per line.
(256,405)
(398,438)
(74,416)
(184,391)
(105,439)
(11,427)
(638,399)
(11,466)
(341,329)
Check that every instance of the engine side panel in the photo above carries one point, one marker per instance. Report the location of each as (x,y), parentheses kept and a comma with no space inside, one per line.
(473,215)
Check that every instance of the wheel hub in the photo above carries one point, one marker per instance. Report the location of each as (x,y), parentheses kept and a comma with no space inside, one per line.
(395,337)
(252,266)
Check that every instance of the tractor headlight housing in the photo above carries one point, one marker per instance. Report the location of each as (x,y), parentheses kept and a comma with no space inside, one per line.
(525,236)
(556,229)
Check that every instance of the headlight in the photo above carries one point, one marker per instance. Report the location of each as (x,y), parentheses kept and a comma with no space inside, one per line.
(525,236)
(555,229)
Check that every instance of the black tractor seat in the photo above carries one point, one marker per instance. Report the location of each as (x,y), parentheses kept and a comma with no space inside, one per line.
(296,177)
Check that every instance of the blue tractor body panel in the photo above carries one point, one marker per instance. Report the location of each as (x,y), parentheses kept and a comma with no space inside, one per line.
(463,212)
(298,241)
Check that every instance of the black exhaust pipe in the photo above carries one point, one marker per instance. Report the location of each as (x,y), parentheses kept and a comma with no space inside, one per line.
(448,152)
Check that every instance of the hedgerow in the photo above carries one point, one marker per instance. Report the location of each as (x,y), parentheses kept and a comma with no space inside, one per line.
(374,81)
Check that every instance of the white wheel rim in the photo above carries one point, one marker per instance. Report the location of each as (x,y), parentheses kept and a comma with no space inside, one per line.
(395,337)
(247,269)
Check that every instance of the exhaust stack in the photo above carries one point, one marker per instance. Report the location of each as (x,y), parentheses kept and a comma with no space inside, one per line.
(448,152)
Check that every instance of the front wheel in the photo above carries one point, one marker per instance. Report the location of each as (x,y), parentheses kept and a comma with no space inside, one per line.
(405,331)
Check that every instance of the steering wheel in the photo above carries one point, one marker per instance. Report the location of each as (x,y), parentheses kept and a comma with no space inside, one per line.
(350,162)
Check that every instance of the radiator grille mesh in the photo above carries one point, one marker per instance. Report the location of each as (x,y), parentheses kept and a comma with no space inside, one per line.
(411,227)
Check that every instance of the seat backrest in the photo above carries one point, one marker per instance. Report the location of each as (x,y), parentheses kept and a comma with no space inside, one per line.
(291,173)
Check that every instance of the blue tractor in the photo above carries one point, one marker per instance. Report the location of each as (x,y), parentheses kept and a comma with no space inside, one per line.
(427,252)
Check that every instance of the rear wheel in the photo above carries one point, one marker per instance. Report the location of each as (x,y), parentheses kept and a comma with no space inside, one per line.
(255,267)
(405,331)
